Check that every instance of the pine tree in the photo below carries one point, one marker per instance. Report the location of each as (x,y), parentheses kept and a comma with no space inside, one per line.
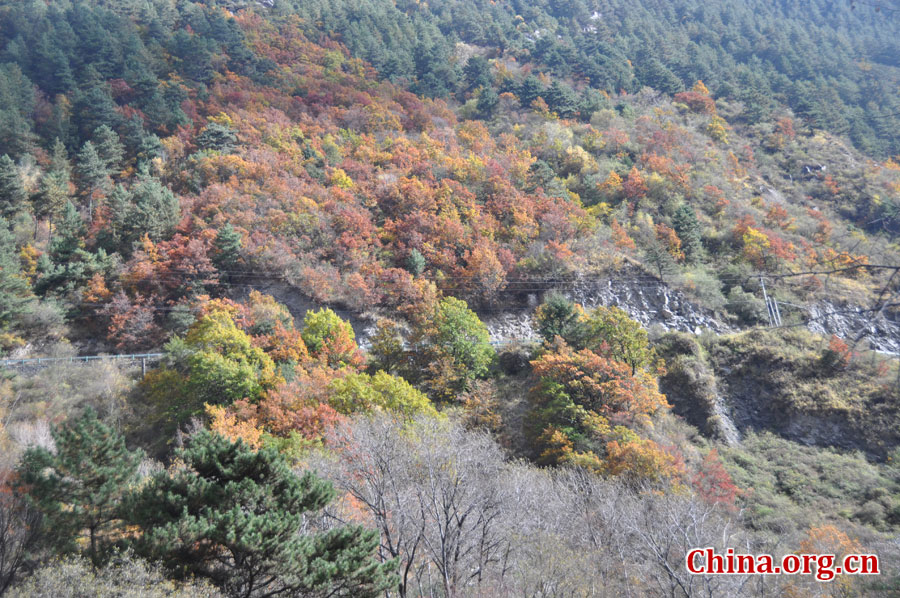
(562,99)
(477,72)
(687,227)
(14,291)
(54,191)
(416,262)
(530,90)
(558,316)
(79,487)
(16,109)
(487,103)
(12,193)
(228,248)
(110,148)
(218,138)
(68,264)
(155,211)
(92,175)
(70,237)
(236,516)
(655,74)
(658,256)
(59,159)
(112,237)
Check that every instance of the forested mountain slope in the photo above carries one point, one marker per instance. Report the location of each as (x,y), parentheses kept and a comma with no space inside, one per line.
(834,63)
(360,192)
(162,163)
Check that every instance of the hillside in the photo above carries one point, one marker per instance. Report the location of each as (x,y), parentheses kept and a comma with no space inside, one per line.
(590,273)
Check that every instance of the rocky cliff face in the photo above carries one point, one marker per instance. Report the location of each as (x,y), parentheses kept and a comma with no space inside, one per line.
(654,304)
(848,322)
(647,300)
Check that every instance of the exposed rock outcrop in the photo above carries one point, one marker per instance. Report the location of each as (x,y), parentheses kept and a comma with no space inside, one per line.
(649,301)
(848,322)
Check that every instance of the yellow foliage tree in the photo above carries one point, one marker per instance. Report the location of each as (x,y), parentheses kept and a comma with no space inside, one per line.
(700,87)
(756,244)
(226,423)
(717,129)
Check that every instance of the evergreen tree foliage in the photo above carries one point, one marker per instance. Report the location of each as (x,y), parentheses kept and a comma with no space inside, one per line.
(52,196)
(91,172)
(228,248)
(147,208)
(68,263)
(12,193)
(655,74)
(16,109)
(15,293)
(154,210)
(687,227)
(59,159)
(562,99)
(79,487)
(238,517)
(217,137)
(487,103)
(530,89)
(416,262)
(110,148)
(54,189)
(558,316)
(477,73)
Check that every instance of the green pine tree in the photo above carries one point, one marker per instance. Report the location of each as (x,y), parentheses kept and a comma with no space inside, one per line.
(112,237)
(530,90)
(236,516)
(558,316)
(110,148)
(228,248)
(15,293)
(12,193)
(155,210)
(52,196)
(478,73)
(562,100)
(80,486)
(687,227)
(54,187)
(218,138)
(59,159)
(487,103)
(68,264)
(93,178)
(416,262)
(70,234)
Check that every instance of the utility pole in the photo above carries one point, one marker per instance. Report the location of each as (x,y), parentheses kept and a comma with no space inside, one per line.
(771,305)
(777,312)
(762,282)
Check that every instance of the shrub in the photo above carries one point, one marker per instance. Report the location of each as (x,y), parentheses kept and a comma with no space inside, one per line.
(123,577)
(746,306)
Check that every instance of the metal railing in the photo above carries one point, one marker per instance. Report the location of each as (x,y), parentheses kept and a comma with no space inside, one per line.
(40,361)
